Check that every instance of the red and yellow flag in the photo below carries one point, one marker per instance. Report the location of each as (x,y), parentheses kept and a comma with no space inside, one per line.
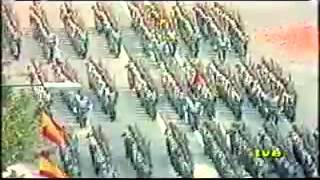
(52,131)
(50,169)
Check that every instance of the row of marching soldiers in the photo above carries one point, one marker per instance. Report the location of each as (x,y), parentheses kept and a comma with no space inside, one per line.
(40,91)
(187,106)
(140,22)
(139,80)
(186,29)
(190,100)
(75,28)
(269,89)
(50,45)
(68,149)
(303,151)
(165,28)
(182,105)
(11,34)
(233,150)
(100,152)
(178,150)
(101,82)
(107,26)
(41,32)
(224,28)
(157,56)
(69,155)
(138,151)
(229,89)
(146,22)
(162,28)
(80,105)
(225,87)
(223,153)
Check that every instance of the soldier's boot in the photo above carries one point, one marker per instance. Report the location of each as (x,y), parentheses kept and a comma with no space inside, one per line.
(181,115)
(154,113)
(96,170)
(127,152)
(205,149)
(81,125)
(132,160)
(84,52)
(113,116)
(85,122)
(17,55)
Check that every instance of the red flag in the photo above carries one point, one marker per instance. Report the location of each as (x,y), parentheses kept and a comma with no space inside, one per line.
(52,131)
(50,169)
(198,79)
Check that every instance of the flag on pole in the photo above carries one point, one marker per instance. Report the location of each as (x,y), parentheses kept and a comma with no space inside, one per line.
(52,131)
(50,169)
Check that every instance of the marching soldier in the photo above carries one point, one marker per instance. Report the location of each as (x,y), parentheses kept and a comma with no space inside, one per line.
(234,137)
(196,43)
(92,149)
(13,33)
(127,144)
(118,40)
(130,75)
(196,114)
(223,47)
(137,151)
(112,103)
(75,144)
(16,49)
(84,44)
(54,51)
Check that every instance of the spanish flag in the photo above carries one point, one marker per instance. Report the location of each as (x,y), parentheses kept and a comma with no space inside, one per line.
(52,131)
(50,169)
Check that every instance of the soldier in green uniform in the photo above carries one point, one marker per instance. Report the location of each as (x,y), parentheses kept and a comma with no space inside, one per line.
(119,45)
(84,44)
(76,173)
(127,144)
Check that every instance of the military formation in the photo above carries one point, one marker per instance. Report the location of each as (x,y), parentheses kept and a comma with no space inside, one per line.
(80,105)
(40,92)
(189,34)
(179,153)
(100,151)
(106,25)
(75,29)
(264,85)
(223,27)
(70,157)
(137,150)
(101,82)
(144,88)
(11,31)
(192,87)
(43,34)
